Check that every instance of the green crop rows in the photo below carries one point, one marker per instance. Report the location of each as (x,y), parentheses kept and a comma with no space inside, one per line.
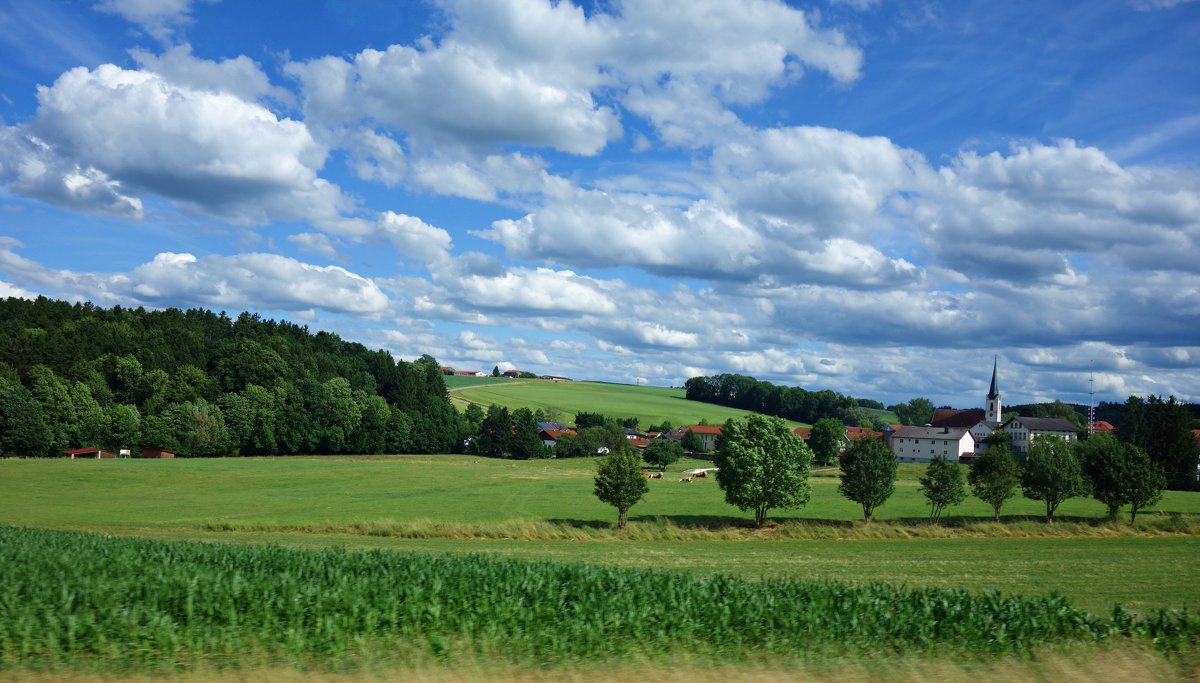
(76,599)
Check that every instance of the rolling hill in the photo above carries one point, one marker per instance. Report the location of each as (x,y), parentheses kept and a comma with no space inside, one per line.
(562,400)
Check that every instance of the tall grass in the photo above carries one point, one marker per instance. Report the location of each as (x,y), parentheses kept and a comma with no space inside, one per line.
(721,529)
(82,600)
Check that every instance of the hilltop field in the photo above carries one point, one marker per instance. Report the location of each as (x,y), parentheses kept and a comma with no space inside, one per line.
(561,400)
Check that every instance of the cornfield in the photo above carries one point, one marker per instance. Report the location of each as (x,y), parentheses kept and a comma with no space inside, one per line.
(82,600)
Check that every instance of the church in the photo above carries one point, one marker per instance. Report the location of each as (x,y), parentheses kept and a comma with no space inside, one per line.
(949,428)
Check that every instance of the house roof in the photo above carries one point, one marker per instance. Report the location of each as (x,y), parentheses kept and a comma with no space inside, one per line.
(554,434)
(77,451)
(1103,426)
(1044,424)
(803,432)
(715,430)
(859,432)
(930,433)
(949,417)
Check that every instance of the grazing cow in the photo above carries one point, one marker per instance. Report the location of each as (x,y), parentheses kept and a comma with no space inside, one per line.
(688,479)
(701,474)
(656,475)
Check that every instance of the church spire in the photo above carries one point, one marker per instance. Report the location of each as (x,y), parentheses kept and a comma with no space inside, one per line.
(994,410)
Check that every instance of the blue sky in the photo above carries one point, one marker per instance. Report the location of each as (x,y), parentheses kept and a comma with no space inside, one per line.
(869,196)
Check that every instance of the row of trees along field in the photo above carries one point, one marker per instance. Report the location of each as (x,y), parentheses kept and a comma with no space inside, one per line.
(201,383)
(763,466)
(790,403)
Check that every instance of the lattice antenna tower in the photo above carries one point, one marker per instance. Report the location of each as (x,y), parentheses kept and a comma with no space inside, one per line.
(1092,399)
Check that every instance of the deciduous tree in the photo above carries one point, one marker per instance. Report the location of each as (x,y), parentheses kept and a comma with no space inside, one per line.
(762,466)
(1144,482)
(994,477)
(916,412)
(619,482)
(827,438)
(1052,474)
(943,486)
(23,430)
(691,442)
(662,452)
(1119,473)
(868,474)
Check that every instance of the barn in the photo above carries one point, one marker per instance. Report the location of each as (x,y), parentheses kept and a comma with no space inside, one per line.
(88,453)
(148,452)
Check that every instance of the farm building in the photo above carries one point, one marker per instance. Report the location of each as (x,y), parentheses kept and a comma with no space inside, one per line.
(88,454)
(157,453)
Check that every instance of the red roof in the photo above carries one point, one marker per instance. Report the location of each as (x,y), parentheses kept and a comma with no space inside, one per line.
(853,433)
(803,432)
(1102,426)
(715,430)
(639,442)
(555,433)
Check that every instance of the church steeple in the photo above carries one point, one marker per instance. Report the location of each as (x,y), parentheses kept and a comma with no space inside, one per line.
(994,410)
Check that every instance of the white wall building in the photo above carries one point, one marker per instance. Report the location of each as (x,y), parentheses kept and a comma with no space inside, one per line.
(923,444)
(1023,430)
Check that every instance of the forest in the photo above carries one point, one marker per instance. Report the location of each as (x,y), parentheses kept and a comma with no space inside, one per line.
(790,403)
(202,384)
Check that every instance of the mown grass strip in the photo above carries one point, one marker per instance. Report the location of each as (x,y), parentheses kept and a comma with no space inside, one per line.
(83,600)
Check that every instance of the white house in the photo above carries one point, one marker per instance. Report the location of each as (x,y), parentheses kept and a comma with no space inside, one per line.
(980,431)
(923,444)
(1023,430)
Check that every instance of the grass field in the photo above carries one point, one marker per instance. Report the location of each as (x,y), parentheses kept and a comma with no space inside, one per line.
(545,510)
(562,400)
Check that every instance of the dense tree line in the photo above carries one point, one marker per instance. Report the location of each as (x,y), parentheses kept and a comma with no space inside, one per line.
(791,403)
(203,384)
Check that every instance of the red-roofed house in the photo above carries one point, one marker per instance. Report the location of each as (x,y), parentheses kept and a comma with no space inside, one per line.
(708,434)
(550,437)
(853,433)
(803,432)
(88,453)
(1103,426)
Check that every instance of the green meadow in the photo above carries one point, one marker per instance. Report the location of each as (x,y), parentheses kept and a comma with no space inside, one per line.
(561,400)
(545,510)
